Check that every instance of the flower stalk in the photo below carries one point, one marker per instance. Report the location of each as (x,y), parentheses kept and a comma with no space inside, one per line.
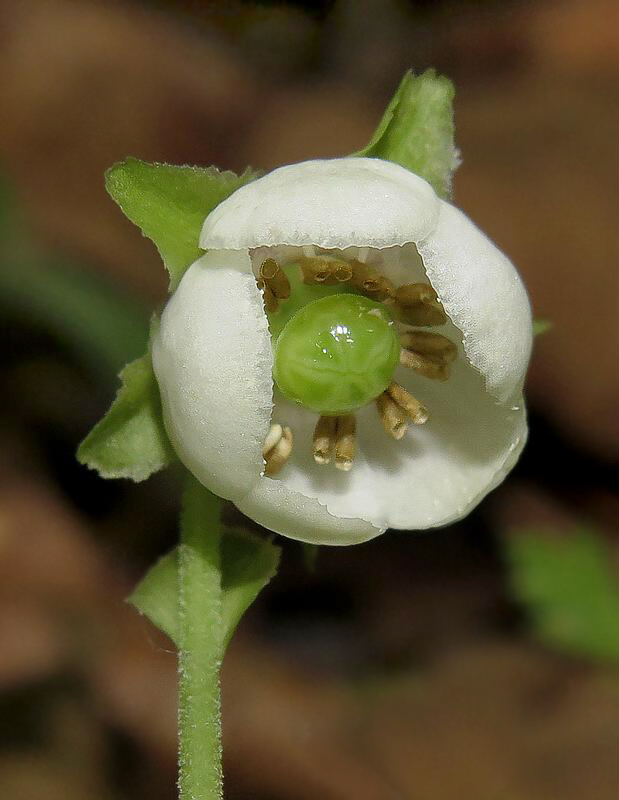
(201,646)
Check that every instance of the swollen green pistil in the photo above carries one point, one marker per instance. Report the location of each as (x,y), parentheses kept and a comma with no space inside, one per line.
(337,354)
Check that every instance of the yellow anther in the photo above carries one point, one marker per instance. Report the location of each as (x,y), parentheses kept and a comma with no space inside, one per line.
(435,370)
(279,441)
(274,278)
(433,345)
(324,439)
(417,412)
(418,304)
(270,301)
(345,442)
(395,421)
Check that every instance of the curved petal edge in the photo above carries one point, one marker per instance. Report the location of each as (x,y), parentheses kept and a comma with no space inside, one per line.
(333,203)
(214,376)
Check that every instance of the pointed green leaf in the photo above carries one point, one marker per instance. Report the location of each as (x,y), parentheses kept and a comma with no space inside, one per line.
(567,585)
(417,130)
(156,596)
(170,204)
(130,441)
(248,564)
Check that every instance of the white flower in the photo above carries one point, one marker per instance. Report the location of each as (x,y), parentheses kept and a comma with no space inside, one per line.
(213,355)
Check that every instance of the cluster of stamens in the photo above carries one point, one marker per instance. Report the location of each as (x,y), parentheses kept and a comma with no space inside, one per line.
(328,271)
(427,353)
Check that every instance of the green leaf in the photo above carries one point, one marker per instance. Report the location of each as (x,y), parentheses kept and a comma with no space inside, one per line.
(567,585)
(156,596)
(130,441)
(248,564)
(417,130)
(170,204)
(541,326)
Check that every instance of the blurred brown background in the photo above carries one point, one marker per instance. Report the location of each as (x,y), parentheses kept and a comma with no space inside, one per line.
(411,667)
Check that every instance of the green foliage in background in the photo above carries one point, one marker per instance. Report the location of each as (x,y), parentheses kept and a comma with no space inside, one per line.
(569,586)
(79,308)
(541,326)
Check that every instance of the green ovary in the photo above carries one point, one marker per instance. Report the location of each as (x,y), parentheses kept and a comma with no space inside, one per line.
(336,354)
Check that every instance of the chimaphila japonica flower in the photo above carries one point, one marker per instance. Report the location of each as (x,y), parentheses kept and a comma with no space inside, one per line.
(343,351)
(347,356)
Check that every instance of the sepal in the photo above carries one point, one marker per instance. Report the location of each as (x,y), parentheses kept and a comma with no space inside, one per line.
(169,204)
(417,130)
(130,441)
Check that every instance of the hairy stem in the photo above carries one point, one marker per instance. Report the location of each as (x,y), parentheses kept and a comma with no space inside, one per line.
(201,646)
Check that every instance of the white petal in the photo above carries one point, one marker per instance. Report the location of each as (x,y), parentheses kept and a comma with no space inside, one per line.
(436,474)
(213,361)
(484,297)
(213,357)
(333,203)
(281,509)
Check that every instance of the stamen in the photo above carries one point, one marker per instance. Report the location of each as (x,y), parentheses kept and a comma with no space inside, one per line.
(342,273)
(435,370)
(379,288)
(270,301)
(409,404)
(273,437)
(433,345)
(371,282)
(345,442)
(269,269)
(395,421)
(418,304)
(277,449)
(423,316)
(413,293)
(275,278)
(325,434)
